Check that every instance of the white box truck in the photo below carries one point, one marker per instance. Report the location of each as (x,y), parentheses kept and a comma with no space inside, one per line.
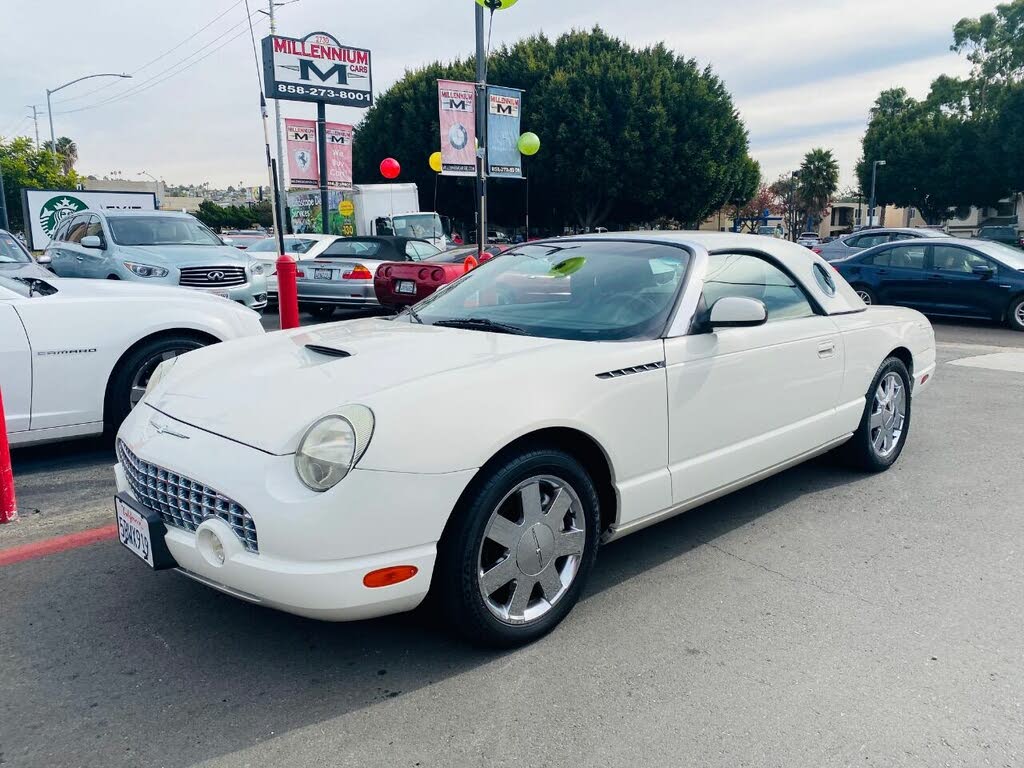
(394,209)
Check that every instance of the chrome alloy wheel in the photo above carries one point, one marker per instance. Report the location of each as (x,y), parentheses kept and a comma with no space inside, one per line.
(141,378)
(1020,313)
(532,549)
(864,296)
(888,414)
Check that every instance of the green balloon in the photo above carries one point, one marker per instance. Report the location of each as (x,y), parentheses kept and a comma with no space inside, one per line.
(496,5)
(529,144)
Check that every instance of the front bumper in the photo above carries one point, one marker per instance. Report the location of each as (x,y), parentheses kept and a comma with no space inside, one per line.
(314,548)
(342,293)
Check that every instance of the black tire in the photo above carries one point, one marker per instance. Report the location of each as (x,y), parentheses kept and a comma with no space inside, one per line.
(868,296)
(147,355)
(456,585)
(1015,315)
(322,312)
(860,450)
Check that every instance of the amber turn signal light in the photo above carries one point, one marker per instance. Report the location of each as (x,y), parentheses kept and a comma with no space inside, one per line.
(385,577)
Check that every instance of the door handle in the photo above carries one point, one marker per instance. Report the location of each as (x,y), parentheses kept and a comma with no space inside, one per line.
(936,277)
(79,258)
(883,272)
(826,349)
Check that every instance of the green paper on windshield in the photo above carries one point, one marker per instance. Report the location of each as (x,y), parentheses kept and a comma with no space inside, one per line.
(569,266)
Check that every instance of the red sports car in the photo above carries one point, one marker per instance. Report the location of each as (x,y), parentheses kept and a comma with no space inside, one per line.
(398,283)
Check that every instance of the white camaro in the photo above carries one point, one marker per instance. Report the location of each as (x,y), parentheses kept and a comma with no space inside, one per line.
(594,386)
(76,355)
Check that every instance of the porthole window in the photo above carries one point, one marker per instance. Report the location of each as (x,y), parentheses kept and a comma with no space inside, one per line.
(825,281)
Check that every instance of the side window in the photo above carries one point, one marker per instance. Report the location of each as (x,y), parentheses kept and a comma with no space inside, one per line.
(880,259)
(418,251)
(93,226)
(870,241)
(733,274)
(951,258)
(907,256)
(76,229)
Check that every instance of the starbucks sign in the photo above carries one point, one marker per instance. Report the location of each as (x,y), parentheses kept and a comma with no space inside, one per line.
(45,209)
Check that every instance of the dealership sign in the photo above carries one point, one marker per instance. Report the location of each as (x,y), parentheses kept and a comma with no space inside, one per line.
(456,103)
(45,209)
(317,68)
(304,157)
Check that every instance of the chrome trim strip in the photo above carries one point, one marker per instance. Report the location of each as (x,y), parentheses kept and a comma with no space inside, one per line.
(681,322)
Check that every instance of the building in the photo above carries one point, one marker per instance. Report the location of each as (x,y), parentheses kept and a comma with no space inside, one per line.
(1009,212)
(124,185)
(847,215)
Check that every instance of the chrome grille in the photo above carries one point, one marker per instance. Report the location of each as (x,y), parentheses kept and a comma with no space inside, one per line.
(212,277)
(182,502)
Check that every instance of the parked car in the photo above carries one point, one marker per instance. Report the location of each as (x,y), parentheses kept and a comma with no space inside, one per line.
(808,239)
(15,259)
(243,239)
(679,367)
(942,276)
(342,275)
(846,246)
(296,246)
(1007,235)
(159,247)
(401,283)
(76,355)
(770,230)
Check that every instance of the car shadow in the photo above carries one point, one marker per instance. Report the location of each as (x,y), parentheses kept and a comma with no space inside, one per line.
(156,669)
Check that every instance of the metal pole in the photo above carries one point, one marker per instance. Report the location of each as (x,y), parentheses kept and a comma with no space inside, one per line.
(279,196)
(321,145)
(481,129)
(35,119)
(871,205)
(49,111)
(3,203)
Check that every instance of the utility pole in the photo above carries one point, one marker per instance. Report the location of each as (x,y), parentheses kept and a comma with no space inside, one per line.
(481,129)
(35,120)
(3,203)
(874,177)
(279,196)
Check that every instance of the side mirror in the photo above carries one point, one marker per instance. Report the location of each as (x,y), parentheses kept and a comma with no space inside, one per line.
(92,241)
(984,271)
(737,312)
(44,258)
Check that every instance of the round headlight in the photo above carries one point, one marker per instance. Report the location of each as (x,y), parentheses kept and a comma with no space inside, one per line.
(332,446)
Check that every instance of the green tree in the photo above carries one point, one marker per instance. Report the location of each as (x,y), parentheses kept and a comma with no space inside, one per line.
(67,153)
(628,134)
(819,180)
(26,167)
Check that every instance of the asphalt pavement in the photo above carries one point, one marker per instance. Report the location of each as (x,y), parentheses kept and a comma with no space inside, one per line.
(819,618)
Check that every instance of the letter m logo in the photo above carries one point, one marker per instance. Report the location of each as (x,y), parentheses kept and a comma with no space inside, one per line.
(503,109)
(308,68)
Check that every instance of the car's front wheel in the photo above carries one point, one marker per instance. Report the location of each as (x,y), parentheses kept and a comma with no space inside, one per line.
(1015,317)
(519,549)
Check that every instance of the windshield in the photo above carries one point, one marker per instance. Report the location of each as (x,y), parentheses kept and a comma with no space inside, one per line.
(160,230)
(291,245)
(421,225)
(28,287)
(808,235)
(1008,255)
(11,251)
(584,290)
(459,255)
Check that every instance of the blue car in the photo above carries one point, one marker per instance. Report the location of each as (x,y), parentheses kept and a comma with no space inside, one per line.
(942,276)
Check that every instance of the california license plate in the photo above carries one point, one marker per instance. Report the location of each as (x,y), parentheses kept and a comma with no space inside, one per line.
(142,533)
(406,286)
(323,274)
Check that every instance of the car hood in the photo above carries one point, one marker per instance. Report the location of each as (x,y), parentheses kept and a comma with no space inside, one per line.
(184,255)
(266,392)
(74,288)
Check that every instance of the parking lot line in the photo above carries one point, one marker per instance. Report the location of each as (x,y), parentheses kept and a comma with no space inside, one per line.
(56,544)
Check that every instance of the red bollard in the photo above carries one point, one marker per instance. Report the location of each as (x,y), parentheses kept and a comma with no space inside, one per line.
(8,504)
(287,294)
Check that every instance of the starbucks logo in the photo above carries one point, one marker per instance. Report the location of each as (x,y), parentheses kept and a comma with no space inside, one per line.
(57,209)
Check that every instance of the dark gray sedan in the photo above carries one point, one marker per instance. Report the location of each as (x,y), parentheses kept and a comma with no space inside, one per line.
(16,261)
(849,245)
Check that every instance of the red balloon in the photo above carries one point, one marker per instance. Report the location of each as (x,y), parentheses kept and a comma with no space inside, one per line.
(389,168)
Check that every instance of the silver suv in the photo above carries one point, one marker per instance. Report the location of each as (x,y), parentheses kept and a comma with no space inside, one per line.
(846,246)
(156,247)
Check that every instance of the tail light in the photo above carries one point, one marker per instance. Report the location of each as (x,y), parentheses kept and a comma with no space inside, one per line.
(423,273)
(359,272)
(816,250)
(387,271)
(299,273)
(437,274)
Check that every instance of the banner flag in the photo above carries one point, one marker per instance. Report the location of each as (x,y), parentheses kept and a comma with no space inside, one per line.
(339,155)
(456,104)
(303,160)
(503,127)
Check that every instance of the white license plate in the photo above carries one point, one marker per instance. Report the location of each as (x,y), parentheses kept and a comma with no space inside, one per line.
(133,531)
(406,286)
(323,274)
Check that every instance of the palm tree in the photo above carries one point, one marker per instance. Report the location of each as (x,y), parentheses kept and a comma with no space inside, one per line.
(67,152)
(819,180)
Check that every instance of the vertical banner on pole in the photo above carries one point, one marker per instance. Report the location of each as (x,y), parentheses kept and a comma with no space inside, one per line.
(339,155)
(503,128)
(457,109)
(302,153)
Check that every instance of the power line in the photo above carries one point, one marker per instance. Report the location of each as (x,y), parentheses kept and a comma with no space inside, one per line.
(161,56)
(13,132)
(156,80)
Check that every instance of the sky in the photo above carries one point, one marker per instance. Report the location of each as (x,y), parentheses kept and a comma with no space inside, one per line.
(803,73)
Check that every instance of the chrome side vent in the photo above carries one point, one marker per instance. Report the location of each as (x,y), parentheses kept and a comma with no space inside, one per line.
(629,371)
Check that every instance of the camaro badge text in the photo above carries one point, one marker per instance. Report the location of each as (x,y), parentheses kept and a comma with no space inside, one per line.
(49,352)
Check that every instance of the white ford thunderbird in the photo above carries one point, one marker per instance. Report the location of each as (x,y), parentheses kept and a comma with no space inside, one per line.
(595,385)
(76,355)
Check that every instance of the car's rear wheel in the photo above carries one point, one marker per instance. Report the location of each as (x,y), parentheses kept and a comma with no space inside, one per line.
(866,294)
(1015,317)
(519,549)
(885,424)
(321,311)
(131,377)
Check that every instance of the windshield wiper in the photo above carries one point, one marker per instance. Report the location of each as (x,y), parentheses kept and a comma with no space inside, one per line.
(482,324)
(414,314)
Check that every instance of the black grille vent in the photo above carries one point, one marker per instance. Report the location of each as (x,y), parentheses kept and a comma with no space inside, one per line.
(629,371)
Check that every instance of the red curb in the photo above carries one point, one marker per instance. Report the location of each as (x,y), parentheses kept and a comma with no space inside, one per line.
(56,544)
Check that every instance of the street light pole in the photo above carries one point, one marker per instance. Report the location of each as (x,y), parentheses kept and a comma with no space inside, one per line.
(481,129)
(874,177)
(156,187)
(792,203)
(49,107)
(280,191)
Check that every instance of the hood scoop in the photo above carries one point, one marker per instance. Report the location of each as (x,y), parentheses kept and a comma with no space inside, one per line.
(320,349)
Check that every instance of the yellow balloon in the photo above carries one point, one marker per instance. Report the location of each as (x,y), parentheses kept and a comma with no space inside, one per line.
(496,5)
(435,162)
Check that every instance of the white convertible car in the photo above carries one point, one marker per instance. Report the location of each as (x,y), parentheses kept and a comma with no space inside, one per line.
(594,386)
(76,355)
